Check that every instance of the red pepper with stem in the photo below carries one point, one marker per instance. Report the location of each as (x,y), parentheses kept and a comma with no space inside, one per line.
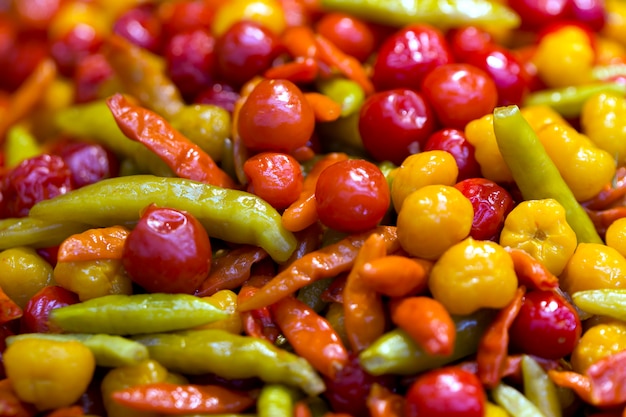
(168,398)
(183,156)
(311,335)
(493,345)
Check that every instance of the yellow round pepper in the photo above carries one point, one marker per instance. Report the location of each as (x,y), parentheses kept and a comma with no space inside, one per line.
(49,373)
(585,167)
(226,300)
(481,135)
(615,27)
(540,228)
(598,342)
(421,169)
(471,275)
(603,120)
(22,273)
(432,219)
(268,13)
(541,115)
(615,236)
(92,279)
(594,266)
(565,57)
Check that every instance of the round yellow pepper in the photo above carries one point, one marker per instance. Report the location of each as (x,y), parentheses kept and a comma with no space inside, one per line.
(268,13)
(481,135)
(92,279)
(22,273)
(421,169)
(615,27)
(226,300)
(49,373)
(615,236)
(565,57)
(585,167)
(593,266)
(432,219)
(598,342)
(603,120)
(471,275)
(540,228)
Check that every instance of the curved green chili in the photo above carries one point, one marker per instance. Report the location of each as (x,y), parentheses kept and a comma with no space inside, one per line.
(197,352)
(230,215)
(539,388)
(396,352)
(514,402)
(276,400)
(38,233)
(136,314)
(109,351)
(603,302)
(440,13)
(534,172)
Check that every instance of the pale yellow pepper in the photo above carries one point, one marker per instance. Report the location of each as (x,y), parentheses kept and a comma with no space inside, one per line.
(598,342)
(603,120)
(540,228)
(481,135)
(594,266)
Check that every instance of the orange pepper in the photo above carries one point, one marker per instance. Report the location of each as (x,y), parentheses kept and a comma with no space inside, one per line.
(381,402)
(397,276)
(9,310)
(530,272)
(92,244)
(324,108)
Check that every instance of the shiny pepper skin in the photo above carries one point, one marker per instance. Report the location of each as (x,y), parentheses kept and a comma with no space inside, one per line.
(594,266)
(540,228)
(275,177)
(603,120)
(92,279)
(616,236)
(585,167)
(432,219)
(23,273)
(480,134)
(47,373)
(471,275)
(597,342)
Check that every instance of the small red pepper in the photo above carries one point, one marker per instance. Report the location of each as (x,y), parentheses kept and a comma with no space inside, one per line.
(183,156)
(37,309)
(492,348)
(164,397)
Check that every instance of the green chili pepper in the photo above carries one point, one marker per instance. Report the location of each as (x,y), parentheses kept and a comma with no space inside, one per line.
(109,351)
(440,13)
(94,121)
(539,388)
(38,233)
(136,314)
(534,172)
(569,101)
(347,93)
(603,302)
(196,352)
(311,294)
(276,400)
(20,145)
(514,402)
(230,215)
(396,352)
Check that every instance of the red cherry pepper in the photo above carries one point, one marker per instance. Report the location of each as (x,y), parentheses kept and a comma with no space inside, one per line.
(37,309)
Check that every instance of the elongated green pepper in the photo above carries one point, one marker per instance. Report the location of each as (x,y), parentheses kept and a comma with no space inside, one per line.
(514,402)
(276,400)
(109,351)
(539,388)
(397,353)
(230,215)
(20,145)
(534,172)
(197,352)
(604,302)
(38,233)
(569,101)
(440,13)
(94,121)
(136,314)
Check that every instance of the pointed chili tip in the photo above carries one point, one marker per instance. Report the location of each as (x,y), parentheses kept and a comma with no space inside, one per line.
(505,111)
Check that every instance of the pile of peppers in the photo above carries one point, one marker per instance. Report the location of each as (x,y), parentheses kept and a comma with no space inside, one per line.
(477,271)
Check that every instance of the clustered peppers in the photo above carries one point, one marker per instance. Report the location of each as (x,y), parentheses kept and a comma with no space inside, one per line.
(312,207)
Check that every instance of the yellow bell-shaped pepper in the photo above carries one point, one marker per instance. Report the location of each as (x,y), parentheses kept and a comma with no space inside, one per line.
(481,135)
(597,342)
(603,120)
(594,266)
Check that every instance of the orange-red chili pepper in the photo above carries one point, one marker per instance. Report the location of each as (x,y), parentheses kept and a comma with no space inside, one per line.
(300,70)
(397,276)
(309,239)
(513,365)
(303,212)
(351,67)
(257,322)
(603,384)
(602,219)
(610,194)
(26,97)
(231,270)
(302,409)
(311,335)
(11,405)
(299,41)
(492,348)
(531,273)
(428,323)
(183,156)
(70,411)
(324,108)
(92,244)
(381,402)
(363,308)
(9,310)
(165,397)
(323,263)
